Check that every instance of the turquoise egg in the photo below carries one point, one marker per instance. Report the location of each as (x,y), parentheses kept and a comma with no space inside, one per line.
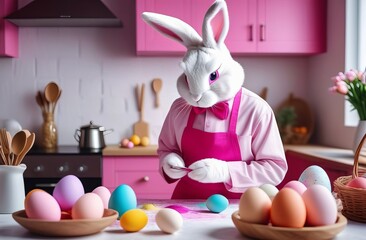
(217,203)
(122,199)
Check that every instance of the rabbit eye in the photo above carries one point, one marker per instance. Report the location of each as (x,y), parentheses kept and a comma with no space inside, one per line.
(214,76)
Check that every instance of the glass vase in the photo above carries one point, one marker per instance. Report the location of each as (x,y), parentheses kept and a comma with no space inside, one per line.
(360,132)
(49,131)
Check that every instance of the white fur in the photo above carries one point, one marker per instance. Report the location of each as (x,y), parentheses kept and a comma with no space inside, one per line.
(204,56)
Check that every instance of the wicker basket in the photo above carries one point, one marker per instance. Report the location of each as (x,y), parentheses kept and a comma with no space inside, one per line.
(353,199)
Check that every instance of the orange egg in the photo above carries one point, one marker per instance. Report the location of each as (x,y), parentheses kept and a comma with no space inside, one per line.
(288,209)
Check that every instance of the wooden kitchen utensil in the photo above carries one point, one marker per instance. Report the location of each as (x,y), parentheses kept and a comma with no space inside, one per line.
(40,102)
(52,92)
(27,147)
(17,145)
(157,84)
(5,143)
(141,128)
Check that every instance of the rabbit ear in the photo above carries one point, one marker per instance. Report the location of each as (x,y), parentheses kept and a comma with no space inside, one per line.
(215,25)
(173,28)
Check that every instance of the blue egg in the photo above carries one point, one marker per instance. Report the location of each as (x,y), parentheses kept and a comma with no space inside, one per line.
(122,199)
(217,203)
(314,174)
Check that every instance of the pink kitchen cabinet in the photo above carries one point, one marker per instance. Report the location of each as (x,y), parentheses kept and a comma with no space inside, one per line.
(139,172)
(256,26)
(8,31)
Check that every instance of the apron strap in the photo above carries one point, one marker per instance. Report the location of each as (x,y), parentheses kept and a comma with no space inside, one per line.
(235,112)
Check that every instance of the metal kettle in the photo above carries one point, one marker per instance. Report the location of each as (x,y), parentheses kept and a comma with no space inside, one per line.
(91,136)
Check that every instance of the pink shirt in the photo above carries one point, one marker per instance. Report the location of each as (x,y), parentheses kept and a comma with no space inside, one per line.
(263,158)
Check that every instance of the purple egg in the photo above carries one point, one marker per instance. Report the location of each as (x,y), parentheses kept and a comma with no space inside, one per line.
(67,191)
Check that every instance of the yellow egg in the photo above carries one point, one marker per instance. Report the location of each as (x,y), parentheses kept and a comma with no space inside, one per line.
(145,141)
(135,139)
(149,206)
(133,220)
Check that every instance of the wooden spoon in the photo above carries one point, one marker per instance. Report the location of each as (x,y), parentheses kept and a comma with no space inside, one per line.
(52,92)
(27,147)
(39,101)
(157,84)
(5,143)
(17,144)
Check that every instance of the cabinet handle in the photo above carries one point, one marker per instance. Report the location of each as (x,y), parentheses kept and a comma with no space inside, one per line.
(146,178)
(262,33)
(45,185)
(39,168)
(251,33)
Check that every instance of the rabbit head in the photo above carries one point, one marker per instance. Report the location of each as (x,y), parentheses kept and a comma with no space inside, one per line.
(210,74)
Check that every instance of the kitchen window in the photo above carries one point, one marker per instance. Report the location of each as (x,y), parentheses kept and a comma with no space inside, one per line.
(355,47)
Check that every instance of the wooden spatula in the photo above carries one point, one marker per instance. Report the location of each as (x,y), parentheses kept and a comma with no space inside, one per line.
(141,128)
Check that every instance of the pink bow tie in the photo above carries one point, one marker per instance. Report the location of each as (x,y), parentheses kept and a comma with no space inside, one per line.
(220,110)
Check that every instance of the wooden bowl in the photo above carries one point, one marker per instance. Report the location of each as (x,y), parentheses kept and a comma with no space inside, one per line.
(260,231)
(66,227)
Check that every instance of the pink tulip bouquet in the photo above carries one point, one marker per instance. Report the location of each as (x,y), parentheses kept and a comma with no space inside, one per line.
(352,84)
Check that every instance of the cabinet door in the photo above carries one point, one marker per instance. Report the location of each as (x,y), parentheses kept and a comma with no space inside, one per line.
(140,173)
(8,31)
(242,36)
(151,41)
(291,26)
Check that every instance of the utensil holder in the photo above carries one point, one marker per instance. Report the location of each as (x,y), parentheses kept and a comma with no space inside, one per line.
(49,131)
(12,191)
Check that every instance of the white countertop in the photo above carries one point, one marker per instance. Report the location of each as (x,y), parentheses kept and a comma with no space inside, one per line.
(198,225)
(344,156)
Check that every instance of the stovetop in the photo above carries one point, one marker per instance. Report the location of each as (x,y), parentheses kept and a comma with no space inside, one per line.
(65,150)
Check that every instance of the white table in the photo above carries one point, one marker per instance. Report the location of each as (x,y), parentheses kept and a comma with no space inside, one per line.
(198,225)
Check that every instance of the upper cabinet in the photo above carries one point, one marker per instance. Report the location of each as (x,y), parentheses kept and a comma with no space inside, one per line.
(256,26)
(8,31)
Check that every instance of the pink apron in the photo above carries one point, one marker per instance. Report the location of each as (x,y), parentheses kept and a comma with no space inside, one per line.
(197,145)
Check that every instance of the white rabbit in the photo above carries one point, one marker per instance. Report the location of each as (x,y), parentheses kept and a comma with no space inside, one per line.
(232,152)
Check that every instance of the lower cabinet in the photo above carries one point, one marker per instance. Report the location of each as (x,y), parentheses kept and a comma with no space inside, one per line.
(298,162)
(139,172)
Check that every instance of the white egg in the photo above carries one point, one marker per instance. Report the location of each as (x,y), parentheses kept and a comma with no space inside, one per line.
(270,189)
(315,175)
(169,220)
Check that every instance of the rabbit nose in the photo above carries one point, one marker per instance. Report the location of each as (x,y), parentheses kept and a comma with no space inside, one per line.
(196,97)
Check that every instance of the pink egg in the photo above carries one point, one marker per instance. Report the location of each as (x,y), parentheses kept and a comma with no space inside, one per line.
(104,194)
(321,207)
(358,182)
(124,142)
(88,206)
(41,205)
(297,186)
(67,191)
(130,145)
